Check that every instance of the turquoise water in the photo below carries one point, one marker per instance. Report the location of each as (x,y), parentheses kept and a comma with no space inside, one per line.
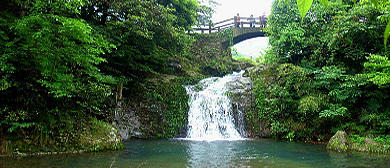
(181,153)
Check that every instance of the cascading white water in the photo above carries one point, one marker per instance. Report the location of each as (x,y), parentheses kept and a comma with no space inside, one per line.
(210,116)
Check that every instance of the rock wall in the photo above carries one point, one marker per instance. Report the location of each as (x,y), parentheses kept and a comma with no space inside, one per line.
(240,90)
(214,58)
(153,108)
(157,107)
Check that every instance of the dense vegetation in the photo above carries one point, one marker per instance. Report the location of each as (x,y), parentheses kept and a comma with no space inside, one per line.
(67,65)
(62,63)
(325,72)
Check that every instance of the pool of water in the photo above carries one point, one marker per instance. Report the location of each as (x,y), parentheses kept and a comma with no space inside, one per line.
(184,153)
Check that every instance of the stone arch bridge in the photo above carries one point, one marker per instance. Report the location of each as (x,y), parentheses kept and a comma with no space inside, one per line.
(213,50)
(247,28)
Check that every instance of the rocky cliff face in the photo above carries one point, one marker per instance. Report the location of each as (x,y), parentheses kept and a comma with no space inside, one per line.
(240,90)
(159,108)
(154,108)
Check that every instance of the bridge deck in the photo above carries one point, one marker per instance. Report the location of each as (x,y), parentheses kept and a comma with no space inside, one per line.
(239,33)
(231,23)
(245,30)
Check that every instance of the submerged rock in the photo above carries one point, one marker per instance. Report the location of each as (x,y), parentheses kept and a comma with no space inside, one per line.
(339,142)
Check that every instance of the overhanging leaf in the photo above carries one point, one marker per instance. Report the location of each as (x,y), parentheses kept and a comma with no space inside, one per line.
(304,6)
(324,2)
(375,2)
(386,34)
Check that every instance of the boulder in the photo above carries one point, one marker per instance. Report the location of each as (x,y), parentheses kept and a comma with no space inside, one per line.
(339,142)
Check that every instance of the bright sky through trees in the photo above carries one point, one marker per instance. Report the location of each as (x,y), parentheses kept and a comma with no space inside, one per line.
(229,8)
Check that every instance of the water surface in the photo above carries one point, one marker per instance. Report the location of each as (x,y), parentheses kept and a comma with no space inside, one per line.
(184,153)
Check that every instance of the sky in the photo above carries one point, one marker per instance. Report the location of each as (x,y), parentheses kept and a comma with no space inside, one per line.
(230,8)
(252,48)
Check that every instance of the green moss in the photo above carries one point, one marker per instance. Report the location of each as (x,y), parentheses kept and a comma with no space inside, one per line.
(365,144)
(189,80)
(176,108)
(83,135)
(342,142)
(100,136)
(339,142)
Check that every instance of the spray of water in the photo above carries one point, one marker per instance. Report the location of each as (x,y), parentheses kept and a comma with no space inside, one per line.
(210,116)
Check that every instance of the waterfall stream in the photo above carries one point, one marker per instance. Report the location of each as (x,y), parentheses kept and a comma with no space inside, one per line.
(210,116)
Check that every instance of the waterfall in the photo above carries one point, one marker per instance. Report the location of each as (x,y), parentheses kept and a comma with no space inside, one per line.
(210,116)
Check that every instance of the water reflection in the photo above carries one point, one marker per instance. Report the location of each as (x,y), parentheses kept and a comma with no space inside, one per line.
(213,153)
(183,153)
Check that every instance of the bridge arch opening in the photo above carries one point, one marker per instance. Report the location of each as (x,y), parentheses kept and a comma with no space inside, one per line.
(251,48)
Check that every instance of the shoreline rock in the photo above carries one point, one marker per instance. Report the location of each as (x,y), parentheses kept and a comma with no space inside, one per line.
(339,142)
(342,143)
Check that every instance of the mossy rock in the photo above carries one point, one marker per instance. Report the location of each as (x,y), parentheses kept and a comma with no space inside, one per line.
(100,136)
(339,142)
(369,145)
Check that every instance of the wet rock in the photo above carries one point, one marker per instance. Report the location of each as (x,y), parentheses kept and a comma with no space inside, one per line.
(128,126)
(239,90)
(339,142)
(155,108)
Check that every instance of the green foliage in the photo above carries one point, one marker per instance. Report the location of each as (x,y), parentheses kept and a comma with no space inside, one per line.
(205,12)
(284,97)
(312,104)
(386,35)
(64,51)
(378,144)
(335,110)
(177,108)
(304,6)
(349,43)
(227,33)
(147,38)
(338,76)
(324,2)
(61,60)
(184,10)
(245,59)
(221,64)
(295,38)
(378,70)
(68,7)
(168,107)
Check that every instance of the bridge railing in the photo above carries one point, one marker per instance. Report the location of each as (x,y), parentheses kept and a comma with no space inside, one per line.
(229,23)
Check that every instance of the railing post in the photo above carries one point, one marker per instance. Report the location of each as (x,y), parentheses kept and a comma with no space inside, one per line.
(261,22)
(202,31)
(210,27)
(219,29)
(235,21)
